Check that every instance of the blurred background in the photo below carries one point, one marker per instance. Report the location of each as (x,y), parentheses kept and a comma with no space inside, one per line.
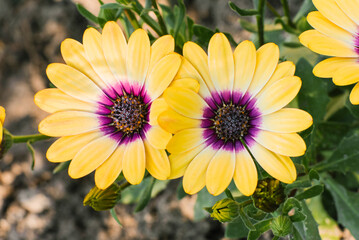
(39,205)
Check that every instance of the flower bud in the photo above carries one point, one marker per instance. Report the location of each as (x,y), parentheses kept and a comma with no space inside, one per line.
(268,195)
(281,226)
(101,200)
(225,210)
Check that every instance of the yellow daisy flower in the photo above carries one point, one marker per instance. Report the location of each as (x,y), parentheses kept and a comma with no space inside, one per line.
(241,98)
(336,34)
(2,119)
(106,104)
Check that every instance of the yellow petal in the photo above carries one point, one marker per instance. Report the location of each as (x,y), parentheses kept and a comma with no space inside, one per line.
(244,65)
(160,48)
(288,144)
(221,62)
(162,74)
(220,171)
(158,137)
(267,61)
(278,94)
(65,148)
(189,83)
(354,95)
(172,122)
(350,7)
(199,60)
(157,163)
(319,43)
(53,100)
(92,156)
(68,123)
(108,171)
(92,41)
(346,75)
(194,178)
(279,167)
(286,120)
(185,102)
(1,132)
(2,115)
(179,162)
(157,107)
(323,25)
(134,162)
(73,82)
(74,55)
(138,56)
(185,140)
(328,67)
(245,173)
(115,49)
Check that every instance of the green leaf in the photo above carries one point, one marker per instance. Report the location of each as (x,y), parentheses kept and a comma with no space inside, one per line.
(203,34)
(310,192)
(61,166)
(353,109)
(236,229)
(308,229)
(180,14)
(145,195)
(246,220)
(113,6)
(242,12)
(346,203)
(261,227)
(313,174)
(292,44)
(301,182)
(86,14)
(180,191)
(306,7)
(114,215)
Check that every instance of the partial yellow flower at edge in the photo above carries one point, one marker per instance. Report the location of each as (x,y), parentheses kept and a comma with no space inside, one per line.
(2,119)
(102,105)
(336,35)
(242,98)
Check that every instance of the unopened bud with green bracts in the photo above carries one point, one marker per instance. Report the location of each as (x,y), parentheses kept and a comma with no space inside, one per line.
(225,210)
(101,200)
(281,226)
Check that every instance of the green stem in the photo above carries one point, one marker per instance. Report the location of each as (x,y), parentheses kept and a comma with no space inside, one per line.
(275,238)
(32,138)
(273,10)
(159,18)
(131,17)
(245,203)
(260,22)
(287,13)
(124,185)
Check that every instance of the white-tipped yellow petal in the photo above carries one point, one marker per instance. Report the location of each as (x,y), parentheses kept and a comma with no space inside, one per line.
(185,140)
(92,156)
(267,61)
(65,148)
(157,163)
(220,171)
(185,102)
(172,122)
(158,137)
(244,65)
(92,41)
(53,100)
(346,75)
(189,83)
(74,55)
(278,95)
(115,49)
(331,10)
(198,58)
(221,62)
(323,25)
(68,123)
(107,172)
(245,173)
(284,69)
(288,144)
(322,44)
(354,95)
(194,178)
(162,74)
(350,7)
(286,120)
(157,107)
(138,56)
(73,82)
(160,48)
(134,162)
(328,67)
(179,162)
(279,167)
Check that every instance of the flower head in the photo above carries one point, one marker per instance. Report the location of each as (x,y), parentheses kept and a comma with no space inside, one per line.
(240,100)
(105,105)
(336,34)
